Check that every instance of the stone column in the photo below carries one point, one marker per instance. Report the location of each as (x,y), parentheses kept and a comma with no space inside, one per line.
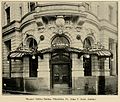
(77,71)
(44,71)
(114,59)
(95,66)
(26,67)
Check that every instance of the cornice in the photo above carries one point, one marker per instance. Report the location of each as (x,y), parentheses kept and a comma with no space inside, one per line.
(109,29)
(57,12)
(13,22)
(23,23)
(29,13)
(108,22)
(59,3)
(26,23)
(93,22)
(10,31)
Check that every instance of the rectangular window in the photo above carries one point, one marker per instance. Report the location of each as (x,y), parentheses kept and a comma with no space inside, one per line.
(8,14)
(32,6)
(110,13)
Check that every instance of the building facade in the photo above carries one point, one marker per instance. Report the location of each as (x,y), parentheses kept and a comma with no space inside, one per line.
(54,45)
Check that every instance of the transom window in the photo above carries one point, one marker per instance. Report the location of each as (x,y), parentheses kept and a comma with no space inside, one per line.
(32,44)
(60,41)
(87,43)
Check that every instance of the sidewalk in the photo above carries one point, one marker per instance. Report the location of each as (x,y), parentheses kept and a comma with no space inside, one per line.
(46,92)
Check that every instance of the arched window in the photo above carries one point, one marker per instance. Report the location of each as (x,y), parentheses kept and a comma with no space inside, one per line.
(32,44)
(87,60)
(87,43)
(60,42)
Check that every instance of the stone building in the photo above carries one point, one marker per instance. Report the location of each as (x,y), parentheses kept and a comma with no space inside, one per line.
(60,45)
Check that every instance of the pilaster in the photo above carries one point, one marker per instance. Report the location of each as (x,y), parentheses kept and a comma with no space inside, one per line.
(106,67)
(26,67)
(95,66)
(114,59)
(44,70)
(77,70)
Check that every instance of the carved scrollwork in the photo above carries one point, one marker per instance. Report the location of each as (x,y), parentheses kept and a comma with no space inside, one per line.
(78,28)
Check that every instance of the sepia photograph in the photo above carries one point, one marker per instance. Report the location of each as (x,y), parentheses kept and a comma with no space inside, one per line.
(59,47)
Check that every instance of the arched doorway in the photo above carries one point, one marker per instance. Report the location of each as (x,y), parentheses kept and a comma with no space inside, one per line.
(87,58)
(60,63)
(33,59)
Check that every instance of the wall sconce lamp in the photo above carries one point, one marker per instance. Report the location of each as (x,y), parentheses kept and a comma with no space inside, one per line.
(33,57)
(86,55)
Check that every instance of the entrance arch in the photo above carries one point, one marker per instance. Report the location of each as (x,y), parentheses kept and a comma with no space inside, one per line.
(60,63)
(33,59)
(87,44)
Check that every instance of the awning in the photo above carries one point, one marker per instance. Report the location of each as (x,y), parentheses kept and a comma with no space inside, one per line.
(98,52)
(101,52)
(67,49)
(18,54)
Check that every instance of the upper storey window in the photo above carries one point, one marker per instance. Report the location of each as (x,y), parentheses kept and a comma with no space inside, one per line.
(87,43)
(31,6)
(8,14)
(110,13)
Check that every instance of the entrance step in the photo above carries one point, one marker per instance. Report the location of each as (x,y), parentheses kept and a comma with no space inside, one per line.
(61,86)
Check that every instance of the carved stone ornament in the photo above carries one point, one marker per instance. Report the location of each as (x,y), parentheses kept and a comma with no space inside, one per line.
(60,31)
(60,22)
(78,37)
(41,29)
(78,28)
(42,37)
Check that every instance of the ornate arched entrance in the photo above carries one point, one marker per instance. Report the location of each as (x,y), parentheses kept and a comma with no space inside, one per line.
(33,59)
(88,42)
(60,63)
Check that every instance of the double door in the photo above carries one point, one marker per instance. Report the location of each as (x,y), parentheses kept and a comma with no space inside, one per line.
(61,75)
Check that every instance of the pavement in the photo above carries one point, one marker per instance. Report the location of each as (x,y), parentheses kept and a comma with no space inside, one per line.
(46,92)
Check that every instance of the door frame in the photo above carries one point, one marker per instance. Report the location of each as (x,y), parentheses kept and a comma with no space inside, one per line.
(86,64)
(31,63)
(51,63)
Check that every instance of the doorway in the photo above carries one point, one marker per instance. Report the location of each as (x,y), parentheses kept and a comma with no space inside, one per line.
(87,66)
(61,75)
(33,66)
(61,71)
